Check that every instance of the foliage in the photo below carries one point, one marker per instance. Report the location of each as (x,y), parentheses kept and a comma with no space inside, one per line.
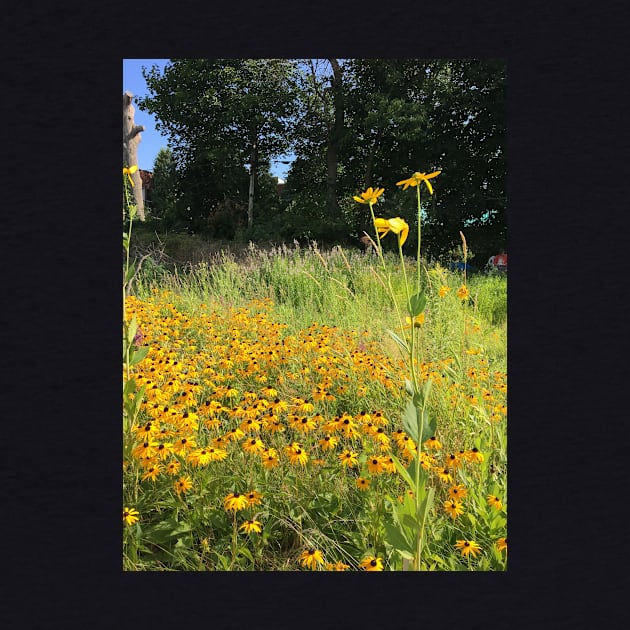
(328,314)
(220,114)
(371,117)
(164,191)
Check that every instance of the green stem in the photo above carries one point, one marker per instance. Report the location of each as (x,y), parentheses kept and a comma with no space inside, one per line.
(233,541)
(388,276)
(419,234)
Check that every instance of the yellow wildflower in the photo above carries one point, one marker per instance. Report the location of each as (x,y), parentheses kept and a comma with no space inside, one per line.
(418,178)
(371,195)
(129,172)
(397,226)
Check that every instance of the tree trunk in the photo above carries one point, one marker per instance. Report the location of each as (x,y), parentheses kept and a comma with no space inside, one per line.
(131,139)
(334,136)
(252,182)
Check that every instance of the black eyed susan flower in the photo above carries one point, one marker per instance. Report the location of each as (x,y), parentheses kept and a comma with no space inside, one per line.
(371,195)
(443,291)
(457,492)
(375,464)
(234,434)
(495,502)
(152,472)
(453,461)
(312,558)
(328,442)
(445,475)
(172,468)
(130,515)
(235,501)
(253,497)
(453,508)
(304,424)
(417,178)
(253,445)
(502,544)
(371,563)
(270,460)
(337,566)
(363,484)
(467,547)
(474,456)
(251,526)
(433,444)
(348,458)
(297,455)
(183,484)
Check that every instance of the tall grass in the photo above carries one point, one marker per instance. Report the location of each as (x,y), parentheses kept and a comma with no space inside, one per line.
(336,287)
(325,313)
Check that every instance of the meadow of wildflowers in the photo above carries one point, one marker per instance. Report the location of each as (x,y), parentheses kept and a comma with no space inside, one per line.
(267,415)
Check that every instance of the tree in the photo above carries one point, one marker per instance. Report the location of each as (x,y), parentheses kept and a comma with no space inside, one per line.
(131,139)
(165,184)
(221,115)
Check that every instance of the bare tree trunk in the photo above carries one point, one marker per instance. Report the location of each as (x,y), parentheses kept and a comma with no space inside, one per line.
(131,139)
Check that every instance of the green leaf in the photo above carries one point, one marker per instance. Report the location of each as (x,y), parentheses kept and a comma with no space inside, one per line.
(244,551)
(426,388)
(425,505)
(130,273)
(401,342)
(417,303)
(409,521)
(129,387)
(410,420)
(138,355)
(403,472)
(131,330)
(428,425)
(396,538)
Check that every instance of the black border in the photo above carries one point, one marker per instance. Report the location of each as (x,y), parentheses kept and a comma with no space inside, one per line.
(61,267)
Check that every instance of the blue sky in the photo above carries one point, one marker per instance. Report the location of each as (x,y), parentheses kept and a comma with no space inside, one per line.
(151,139)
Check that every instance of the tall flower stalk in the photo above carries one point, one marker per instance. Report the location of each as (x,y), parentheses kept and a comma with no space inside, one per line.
(132,396)
(406,533)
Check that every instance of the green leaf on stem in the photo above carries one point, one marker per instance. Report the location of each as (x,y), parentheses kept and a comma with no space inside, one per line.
(137,355)
(410,420)
(429,424)
(130,273)
(396,538)
(131,330)
(401,342)
(244,551)
(403,472)
(417,303)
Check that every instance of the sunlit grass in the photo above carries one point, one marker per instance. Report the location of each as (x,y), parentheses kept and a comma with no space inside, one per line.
(250,362)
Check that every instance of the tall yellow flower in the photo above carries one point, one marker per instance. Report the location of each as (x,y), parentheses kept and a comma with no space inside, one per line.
(371,195)
(397,226)
(129,172)
(417,178)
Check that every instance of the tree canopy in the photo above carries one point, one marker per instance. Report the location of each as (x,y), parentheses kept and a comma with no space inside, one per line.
(349,124)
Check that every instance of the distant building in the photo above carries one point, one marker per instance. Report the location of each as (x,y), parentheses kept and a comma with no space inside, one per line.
(147,186)
(280,186)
